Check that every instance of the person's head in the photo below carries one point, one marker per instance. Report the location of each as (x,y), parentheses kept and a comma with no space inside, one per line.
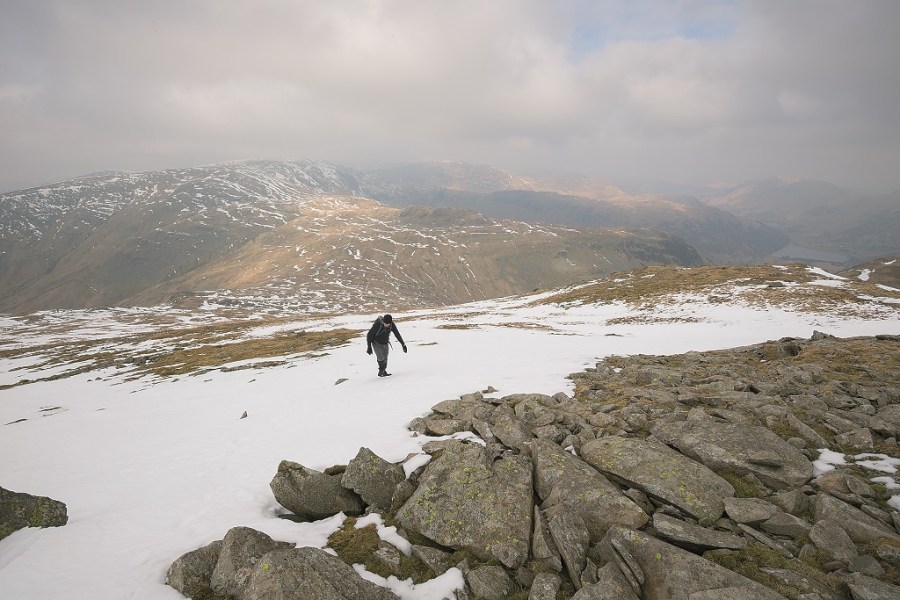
(387,319)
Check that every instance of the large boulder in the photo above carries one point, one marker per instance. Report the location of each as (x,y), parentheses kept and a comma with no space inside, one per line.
(309,573)
(561,478)
(490,582)
(662,473)
(466,409)
(373,478)
(544,553)
(509,429)
(545,587)
(611,585)
(241,550)
(570,535)
(866,588)
(191,573)
(693,537)
(543,549)
(739,448)
(858,525)
(19,510)
(831,539)
(311,494)
(664,572)
(749,510)
(466,500)
(890,417)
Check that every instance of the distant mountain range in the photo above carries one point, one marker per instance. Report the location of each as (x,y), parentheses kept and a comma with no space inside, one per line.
(300,230)
(575,200)
(325,237)
(819,216)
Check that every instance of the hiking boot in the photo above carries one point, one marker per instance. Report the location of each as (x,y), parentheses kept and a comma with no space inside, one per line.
(382,369)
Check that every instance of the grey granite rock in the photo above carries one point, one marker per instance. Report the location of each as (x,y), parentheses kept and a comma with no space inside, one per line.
(191,573)
(662,473)
(312,494)
(241,550)
(309,573)
(509,429)
(831,539)
(18,510)
(545,586)
(786,525)
(693,537)
(561,478)
(674,574)
(571,537)
(867,588)
(611,585)
(465,499)
(740,449)
(749,510)
(543,548)
(490,583)
(858,525)
(373,478)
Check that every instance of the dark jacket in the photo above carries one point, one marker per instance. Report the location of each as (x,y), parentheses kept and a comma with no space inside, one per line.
(381,334)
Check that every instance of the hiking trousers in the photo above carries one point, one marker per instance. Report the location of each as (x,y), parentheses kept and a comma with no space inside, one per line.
(381,351)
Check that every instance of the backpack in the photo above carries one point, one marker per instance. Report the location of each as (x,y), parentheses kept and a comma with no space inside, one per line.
(380,322)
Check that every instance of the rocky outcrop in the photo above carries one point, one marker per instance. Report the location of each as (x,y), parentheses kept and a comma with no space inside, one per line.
(679,477)
(18,510)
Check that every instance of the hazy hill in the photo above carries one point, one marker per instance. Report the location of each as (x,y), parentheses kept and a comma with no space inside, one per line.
(297,229)
(720,236)
(820,216)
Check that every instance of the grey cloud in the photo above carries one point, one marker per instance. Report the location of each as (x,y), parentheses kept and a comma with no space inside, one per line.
(688,90)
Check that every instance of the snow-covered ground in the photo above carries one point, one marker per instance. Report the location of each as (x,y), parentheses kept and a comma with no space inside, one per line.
(150,471)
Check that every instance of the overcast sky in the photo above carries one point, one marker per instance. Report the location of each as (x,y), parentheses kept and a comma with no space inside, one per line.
(695,91)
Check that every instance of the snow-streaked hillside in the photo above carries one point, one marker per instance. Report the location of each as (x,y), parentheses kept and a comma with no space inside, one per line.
(245,190)
(151,466)
(96,240)
(262,231)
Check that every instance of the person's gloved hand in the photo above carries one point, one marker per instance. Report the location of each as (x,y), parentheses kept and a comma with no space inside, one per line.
(404,348)
(369,350)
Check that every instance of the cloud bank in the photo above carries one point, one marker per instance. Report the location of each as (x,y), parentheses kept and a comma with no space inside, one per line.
(690,90)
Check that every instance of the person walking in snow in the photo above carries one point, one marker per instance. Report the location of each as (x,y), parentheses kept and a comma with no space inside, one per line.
(378,339)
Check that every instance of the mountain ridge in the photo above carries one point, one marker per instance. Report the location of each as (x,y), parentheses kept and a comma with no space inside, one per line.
(174,234)
(111,238)
(719,236)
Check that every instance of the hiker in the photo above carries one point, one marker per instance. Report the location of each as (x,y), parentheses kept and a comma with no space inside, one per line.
(379,339)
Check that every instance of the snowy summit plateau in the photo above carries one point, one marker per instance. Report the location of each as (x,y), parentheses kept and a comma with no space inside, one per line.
(609,392)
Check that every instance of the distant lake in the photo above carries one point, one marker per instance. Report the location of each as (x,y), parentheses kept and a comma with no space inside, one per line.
(800,253)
